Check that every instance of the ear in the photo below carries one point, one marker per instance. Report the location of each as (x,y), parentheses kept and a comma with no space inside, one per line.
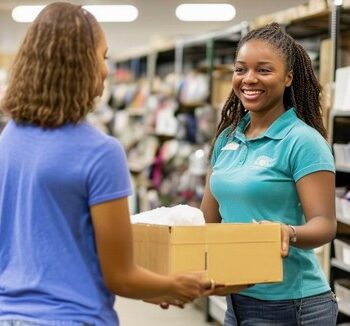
(289,78)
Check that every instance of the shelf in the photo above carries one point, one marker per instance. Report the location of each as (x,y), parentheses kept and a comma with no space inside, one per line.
(343,311)
(340,113)
(343,168)
(343,220)
(162,137)
(220,67)
(186,107)
(336,263)
(313,25)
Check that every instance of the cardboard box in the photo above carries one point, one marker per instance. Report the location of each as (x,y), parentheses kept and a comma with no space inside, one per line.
(230,254)
(221,89)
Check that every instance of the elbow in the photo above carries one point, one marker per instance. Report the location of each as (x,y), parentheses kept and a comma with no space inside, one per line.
(116,282)
(118,286)
(334,229)
(331,231)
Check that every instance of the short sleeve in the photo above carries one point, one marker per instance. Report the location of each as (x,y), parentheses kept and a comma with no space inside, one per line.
(109,177)
(310,153)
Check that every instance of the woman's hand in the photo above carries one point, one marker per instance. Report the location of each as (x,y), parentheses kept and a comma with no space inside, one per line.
(285,238)
(164,303)
(186,288)
(189,286)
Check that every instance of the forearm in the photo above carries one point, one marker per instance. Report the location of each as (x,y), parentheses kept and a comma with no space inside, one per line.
(316,232)
(139,283)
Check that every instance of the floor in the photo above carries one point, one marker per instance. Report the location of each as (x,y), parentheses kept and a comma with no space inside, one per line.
(136,313)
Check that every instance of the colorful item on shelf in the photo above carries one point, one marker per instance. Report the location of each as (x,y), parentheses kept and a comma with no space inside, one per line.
(194,89)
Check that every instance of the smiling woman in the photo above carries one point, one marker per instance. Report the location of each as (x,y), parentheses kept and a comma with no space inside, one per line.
(66,243)
(270,161)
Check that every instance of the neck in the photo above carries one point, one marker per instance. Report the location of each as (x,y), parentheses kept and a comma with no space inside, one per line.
(261,121)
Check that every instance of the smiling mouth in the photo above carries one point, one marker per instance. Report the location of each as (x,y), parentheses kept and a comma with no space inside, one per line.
(251,92)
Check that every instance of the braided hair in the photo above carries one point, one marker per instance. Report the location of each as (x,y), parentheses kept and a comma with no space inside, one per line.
(304,92)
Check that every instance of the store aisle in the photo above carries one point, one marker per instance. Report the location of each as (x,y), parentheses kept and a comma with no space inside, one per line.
(136,313)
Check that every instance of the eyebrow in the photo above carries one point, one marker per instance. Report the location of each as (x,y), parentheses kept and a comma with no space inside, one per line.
(259,62)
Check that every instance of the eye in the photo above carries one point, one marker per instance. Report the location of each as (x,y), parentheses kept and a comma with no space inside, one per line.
(264,70)
(238,70)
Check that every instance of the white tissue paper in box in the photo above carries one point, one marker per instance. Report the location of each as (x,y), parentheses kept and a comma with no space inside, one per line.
(172,216)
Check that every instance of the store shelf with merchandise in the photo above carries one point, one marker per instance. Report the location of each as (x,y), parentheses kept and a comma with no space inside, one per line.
(167,130)
(210,58)
(322,28)
(340,249)
(317,25)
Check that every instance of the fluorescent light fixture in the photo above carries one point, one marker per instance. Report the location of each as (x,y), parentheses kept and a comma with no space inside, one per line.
(113,13)
(338,2)
(104,13)
(26,14)
(205,12)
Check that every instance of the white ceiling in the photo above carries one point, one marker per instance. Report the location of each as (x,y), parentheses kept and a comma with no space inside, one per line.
(156,23)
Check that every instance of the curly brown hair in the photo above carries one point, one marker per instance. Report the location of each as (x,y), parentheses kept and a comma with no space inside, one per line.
(54,76)
(304,92)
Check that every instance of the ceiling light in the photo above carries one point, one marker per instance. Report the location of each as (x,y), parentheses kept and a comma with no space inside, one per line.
(113,13)
(107,13)
(26,14)
(205,12)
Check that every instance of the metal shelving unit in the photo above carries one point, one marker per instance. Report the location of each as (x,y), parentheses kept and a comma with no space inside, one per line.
(340,120)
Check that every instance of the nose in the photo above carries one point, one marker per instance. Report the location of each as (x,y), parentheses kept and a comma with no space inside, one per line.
(250,77)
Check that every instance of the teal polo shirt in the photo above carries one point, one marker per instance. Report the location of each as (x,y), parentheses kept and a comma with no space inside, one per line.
(256,179)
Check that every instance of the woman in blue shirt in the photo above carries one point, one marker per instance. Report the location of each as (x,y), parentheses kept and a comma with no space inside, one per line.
(270,162)
(66,243)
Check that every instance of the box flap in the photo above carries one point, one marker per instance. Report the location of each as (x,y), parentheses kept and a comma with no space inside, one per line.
(188,234)
(171,234)
(243,232)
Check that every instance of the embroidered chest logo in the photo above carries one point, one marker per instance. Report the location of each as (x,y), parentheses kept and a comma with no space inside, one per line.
(233,146)
(263,161)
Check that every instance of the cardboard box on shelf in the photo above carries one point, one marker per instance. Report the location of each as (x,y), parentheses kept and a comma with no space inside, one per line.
(230,254)
(286,16)
(221,89)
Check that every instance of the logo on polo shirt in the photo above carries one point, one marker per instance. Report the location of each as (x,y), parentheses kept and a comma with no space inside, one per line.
(230,146)
(263,161)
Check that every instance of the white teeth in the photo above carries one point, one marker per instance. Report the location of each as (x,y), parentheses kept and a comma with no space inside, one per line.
(253,92)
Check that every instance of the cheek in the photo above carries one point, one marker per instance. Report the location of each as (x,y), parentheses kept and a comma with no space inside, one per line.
(104,71)
(235,82)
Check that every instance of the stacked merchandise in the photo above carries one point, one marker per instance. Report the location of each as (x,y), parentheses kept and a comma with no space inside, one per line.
(184,125)
(340,262)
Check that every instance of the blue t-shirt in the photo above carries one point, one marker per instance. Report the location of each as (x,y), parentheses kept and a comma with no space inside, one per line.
(256,179)
(49,179)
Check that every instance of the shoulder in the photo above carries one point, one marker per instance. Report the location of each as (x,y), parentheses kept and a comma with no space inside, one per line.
(97,138)
(304,135)
(307,151)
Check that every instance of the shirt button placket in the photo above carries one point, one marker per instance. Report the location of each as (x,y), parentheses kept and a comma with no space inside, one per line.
(243,155)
